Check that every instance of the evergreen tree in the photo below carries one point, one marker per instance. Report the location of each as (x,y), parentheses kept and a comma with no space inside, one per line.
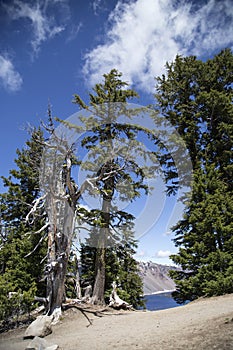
(125,271)
(21,267)
(196,97)
(205,240)
(120,266)
(109,221)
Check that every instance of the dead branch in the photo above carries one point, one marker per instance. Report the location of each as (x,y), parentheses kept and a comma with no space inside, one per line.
(43,259)
(41,300)
(35,207)
(39,231)
(38,244)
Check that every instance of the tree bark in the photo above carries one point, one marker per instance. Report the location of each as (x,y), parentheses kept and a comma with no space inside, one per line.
(62,217)
(99,286)
(56,286)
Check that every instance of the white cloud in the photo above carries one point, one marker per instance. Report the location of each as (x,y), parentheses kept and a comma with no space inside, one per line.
(10,79)
(43,26)
(163,254)
(96,5)
(144,34)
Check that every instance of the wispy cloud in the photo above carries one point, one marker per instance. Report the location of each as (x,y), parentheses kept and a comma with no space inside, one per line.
(163,254)
(10,79)
(98,6)
(75,29)
(143,34)
(43,26)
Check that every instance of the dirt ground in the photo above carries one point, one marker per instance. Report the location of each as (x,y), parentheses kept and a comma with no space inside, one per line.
(205,324)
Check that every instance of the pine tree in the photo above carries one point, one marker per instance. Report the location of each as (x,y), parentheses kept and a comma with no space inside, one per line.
(196,97)
(21,267)
(205,235)
(129,283)
(108,102)
(120,266)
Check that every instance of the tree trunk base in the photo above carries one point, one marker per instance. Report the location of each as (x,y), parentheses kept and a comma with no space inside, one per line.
(56,315)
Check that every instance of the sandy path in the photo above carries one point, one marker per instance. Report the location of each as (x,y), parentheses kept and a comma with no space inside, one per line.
(205,324)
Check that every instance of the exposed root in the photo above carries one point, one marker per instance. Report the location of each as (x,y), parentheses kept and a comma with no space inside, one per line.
(88,309)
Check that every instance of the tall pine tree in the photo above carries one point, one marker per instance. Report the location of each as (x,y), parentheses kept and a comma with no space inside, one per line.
(196,97)
(111,225)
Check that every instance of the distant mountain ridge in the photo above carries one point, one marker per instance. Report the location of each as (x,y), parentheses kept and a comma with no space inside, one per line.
(155,277)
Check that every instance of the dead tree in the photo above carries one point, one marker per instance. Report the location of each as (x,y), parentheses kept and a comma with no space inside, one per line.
(116,302)
(60,199)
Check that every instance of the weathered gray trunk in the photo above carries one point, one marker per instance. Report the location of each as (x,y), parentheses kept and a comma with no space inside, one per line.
(59,243)
(56,284)
(61,203)
(77,284)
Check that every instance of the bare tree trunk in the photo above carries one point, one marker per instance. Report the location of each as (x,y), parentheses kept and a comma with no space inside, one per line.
(59,242)
(77,284)
(56,285)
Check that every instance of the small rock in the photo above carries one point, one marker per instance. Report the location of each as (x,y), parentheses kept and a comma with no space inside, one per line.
(40,327)
(40,344)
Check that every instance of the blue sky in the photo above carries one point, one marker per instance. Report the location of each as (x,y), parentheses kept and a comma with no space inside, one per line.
(51,49)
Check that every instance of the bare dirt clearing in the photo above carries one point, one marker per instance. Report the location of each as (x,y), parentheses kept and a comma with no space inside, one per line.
(204,324)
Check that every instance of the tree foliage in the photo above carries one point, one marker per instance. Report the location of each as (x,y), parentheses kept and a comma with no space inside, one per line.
(21,271)
(196,97)
(111,227)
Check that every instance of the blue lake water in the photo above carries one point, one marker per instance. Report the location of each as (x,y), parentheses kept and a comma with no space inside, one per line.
(160,301)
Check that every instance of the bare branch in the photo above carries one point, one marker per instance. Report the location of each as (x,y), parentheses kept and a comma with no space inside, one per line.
(45,257)
(111,173)
(40,241)
(35,207)
(91,181)
(39,231)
